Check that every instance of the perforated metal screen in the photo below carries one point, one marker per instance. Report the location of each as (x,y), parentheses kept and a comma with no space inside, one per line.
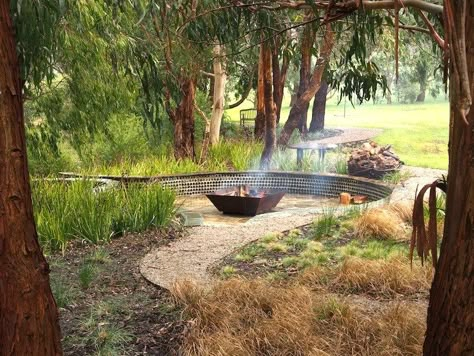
(293,183)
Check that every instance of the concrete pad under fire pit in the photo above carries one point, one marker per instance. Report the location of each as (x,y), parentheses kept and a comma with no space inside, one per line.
(290,203)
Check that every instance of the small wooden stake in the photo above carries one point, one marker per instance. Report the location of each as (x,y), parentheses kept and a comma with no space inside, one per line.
(345,198)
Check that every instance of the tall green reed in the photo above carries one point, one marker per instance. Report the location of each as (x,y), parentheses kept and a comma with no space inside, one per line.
(73,210)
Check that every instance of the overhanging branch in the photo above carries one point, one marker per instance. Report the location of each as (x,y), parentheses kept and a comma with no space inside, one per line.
(352,5)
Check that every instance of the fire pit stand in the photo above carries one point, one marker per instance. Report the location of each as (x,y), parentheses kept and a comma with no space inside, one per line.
(245,200)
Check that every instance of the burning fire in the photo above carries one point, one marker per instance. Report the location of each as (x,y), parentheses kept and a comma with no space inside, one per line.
(244,191)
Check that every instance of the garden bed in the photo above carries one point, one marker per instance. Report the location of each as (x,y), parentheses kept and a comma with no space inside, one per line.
(106,307)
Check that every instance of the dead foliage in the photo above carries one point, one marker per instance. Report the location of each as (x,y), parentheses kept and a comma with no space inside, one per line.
(425,240)
(379,223)
(252,317)
(375,278)
(403,209)
(240,317)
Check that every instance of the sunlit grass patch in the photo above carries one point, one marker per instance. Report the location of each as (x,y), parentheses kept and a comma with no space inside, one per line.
(228,271)
(324,224)
(249,252)
(276,276)
(276,247)
(373,249)
(297,243)
(270,238)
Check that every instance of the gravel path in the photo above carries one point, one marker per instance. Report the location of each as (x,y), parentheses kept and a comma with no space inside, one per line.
(192,256)
(418,178)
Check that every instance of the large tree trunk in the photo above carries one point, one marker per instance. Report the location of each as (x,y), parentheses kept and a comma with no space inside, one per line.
(260,119)
(270,116)
(319,108)
(28,314)
(279,79)
(183,121)
(305,75)
(219,91)
(301,104)
(451,308)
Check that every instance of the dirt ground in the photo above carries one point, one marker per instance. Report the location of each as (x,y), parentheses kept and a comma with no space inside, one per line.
(117,312)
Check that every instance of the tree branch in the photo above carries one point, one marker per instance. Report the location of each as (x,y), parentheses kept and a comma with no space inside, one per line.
(352,5)
(207,74)
(432,30)
(246,93)
(415,28)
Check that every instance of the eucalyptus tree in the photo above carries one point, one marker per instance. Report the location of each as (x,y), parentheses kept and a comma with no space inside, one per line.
(339,42)
(30,34)
(90,85)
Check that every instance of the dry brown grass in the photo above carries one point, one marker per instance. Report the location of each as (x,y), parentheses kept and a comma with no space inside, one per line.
(252,317)
(383,277)
(402,327)
(240,317)
(404,210)
(386,330)
(380,223)
(377,278)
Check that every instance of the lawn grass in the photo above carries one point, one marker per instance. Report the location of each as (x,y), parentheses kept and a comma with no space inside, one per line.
(417,132)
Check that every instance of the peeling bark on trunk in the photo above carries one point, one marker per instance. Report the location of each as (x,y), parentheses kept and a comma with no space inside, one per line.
(451,309)
(260,119)
(210,94)
(302,102)
(319,108)
(183,121)
(279,79)
(219,91)
(270,115)
(305,75)
(29,317)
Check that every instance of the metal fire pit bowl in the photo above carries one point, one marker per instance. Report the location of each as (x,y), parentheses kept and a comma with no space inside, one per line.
(245,205)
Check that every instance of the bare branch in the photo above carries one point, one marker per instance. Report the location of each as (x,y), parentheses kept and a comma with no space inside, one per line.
(432,30)
(207,74)
(352,5)
(246,93)
(415,28)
